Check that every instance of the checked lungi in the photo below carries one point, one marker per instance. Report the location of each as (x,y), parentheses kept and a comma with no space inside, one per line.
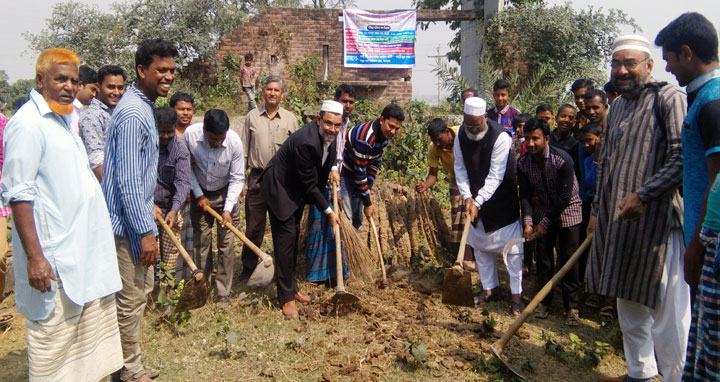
(703,351)
(320,246)
(168,251)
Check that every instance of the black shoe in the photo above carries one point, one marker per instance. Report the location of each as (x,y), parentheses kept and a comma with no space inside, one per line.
(223,300)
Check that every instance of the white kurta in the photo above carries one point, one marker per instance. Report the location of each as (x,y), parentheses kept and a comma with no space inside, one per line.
(487,245)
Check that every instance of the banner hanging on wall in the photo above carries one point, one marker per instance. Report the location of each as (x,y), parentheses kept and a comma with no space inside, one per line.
(379,40)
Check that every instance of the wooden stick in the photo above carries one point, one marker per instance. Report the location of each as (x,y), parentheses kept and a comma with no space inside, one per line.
(377,244)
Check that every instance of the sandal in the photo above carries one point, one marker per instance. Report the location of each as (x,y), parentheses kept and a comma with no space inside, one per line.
(542,311)
(483,299)
(607,312)
(516,309)
(573,318)
(592,301)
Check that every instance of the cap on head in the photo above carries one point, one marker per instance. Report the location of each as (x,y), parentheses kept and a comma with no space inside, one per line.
(475,106)
(332,107)
(633,42)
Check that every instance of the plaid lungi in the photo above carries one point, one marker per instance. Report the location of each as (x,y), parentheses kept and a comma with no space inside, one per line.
(168,251)
(703,351)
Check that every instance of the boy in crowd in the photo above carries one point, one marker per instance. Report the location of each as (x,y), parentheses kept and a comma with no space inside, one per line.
(579,88)
(545,112)
(248,77)
(611,92)
(183,104)
(503,113)
(518,124)
(87,89)
(554,219)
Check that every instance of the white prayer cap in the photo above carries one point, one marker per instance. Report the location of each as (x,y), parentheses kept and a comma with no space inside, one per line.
(475,106)
(332,106)
(633,42)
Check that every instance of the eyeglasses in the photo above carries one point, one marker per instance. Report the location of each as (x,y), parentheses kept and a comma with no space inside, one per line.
(629,64)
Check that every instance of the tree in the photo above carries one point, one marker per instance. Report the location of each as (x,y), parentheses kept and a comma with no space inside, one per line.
(13,96)
(99,38)
(559,39)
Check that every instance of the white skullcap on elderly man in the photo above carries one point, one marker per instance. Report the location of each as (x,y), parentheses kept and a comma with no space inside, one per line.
(332,107)
(631,42)
(475,106)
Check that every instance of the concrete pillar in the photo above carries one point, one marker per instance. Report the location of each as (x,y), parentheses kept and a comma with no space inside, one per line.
(470,40)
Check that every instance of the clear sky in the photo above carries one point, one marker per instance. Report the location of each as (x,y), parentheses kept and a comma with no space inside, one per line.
(650,15)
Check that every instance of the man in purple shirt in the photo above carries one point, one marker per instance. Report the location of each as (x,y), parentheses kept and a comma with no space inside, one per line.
(173,182)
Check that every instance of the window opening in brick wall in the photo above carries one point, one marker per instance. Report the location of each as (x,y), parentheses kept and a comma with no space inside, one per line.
(273,59)
(326,60)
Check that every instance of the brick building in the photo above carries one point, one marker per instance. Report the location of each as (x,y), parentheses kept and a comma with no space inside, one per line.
(279,37)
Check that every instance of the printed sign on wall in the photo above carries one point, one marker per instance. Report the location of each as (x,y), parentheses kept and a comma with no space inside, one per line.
(379,40)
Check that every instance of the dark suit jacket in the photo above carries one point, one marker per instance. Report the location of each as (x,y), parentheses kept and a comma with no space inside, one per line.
(295,173)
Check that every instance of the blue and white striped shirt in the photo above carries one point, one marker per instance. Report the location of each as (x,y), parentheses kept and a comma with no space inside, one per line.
(130,168)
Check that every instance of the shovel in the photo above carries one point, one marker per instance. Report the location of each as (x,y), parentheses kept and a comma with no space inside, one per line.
(196,290)
(498,346)
(263,274)
(384,282)
(341,296)
(457,284)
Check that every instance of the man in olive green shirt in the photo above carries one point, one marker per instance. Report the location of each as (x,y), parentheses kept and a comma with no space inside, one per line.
(266,129)
(441,152)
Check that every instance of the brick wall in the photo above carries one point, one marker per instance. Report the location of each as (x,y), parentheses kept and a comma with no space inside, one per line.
(279,36)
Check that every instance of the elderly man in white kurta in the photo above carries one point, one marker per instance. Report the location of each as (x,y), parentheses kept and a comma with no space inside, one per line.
(485,175)
(66,270)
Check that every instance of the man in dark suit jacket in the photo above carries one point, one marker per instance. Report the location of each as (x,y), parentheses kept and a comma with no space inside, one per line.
(294,177)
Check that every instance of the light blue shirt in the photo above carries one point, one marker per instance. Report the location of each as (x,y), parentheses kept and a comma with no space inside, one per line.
(46,164)
(130,168)
(213,169)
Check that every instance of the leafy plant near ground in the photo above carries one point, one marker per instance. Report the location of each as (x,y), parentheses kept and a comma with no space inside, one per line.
(590,355)
(170,292)
(308,88)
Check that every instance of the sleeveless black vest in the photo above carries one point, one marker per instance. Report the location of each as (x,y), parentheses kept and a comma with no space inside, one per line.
(503,208)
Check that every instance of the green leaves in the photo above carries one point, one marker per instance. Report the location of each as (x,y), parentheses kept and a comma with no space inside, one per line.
(417,349)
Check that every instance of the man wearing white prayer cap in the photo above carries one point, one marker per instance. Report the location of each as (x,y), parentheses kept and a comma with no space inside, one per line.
(485,176)
(637,251)
(295,176)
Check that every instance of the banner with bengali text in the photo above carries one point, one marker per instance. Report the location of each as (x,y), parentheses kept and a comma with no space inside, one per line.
(379,40)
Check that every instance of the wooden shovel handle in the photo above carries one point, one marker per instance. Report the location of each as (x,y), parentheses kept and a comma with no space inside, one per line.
(177,243)
(500,344)
(377,244)
(237,233)
(338,245)
(463,242)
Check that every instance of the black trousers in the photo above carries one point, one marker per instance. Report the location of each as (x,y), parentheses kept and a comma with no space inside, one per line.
(255,219)
(567,239)
(285,235)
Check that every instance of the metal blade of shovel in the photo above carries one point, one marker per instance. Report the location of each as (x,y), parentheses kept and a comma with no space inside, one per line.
(497,347)
(263,274)
(457,283)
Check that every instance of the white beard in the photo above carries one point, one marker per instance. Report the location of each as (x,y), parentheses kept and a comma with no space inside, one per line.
(478,136)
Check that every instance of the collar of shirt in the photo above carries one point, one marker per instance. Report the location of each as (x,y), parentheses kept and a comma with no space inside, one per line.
(503,111)
(547,155)
(141,95)
(44,108)
(78,105)
(97,103)
(698,82)
(263,110)
(377,130)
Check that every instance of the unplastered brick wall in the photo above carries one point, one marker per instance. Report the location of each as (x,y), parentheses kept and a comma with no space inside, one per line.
(279,37)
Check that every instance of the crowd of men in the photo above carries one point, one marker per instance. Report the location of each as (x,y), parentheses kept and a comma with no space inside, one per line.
(90,163)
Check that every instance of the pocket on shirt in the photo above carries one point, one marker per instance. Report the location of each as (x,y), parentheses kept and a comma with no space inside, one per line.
(167,174)
(223,169)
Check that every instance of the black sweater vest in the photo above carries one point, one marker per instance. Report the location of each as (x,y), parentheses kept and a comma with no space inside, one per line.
(503,208)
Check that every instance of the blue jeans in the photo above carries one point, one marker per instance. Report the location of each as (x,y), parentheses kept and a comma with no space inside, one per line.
(351,204)
(250,93)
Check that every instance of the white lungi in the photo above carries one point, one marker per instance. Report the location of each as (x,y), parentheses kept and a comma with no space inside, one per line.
(661,332)
(75,343)
(487,245)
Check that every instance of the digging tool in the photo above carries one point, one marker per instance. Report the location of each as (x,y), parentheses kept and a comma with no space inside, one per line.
(457,284)
(341,296)
(511,244)
(197,289)
(498,346)
(384,282)
(264,272)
